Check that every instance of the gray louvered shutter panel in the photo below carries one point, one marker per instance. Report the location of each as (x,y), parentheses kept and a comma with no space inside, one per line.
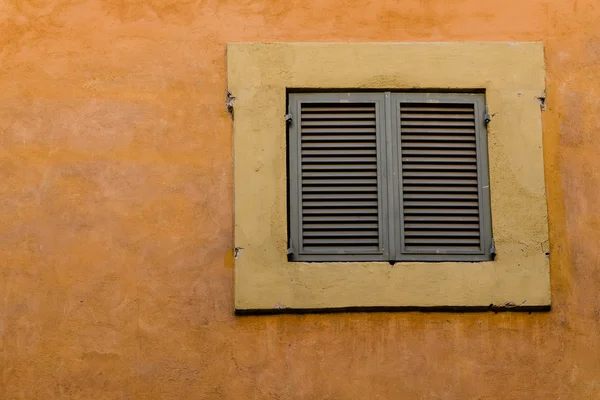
(444,185)
(336,177)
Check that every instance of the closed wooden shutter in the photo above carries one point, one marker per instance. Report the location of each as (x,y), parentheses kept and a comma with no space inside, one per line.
(336,181)
(444,185)
(388,176)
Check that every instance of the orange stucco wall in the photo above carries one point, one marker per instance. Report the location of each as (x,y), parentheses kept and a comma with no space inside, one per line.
(116,212)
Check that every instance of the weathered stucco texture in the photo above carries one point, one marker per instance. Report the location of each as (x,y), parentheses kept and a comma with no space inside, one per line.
(116,212)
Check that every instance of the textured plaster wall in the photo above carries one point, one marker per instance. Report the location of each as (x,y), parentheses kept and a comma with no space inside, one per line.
(116,212)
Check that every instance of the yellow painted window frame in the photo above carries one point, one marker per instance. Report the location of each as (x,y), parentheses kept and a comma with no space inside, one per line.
(512,75)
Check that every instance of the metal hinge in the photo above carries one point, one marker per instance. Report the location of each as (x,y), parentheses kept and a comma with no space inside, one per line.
(493,248)
(290,249)
(229,102)
(288,118)
(486,117)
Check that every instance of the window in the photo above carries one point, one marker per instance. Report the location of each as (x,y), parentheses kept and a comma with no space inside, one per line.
(392,81)
(388,176)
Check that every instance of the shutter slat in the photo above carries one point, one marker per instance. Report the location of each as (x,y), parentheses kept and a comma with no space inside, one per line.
(439,145)
(438,167)
(338,203)
(439,140)
(438,130)
(437,225)
(335,109)
(330,167)
(341,116)
(334,139)
(339,123)
(339,181)
(440,211)
(438,152)
(340,249)
(344,241)
(441,218)
(331,152)
(441,241)
(437,123)
(442,234)
(345,182)
(340,145)
(340,189)
(439,178)
(340,227)
(340,160)
(433,248)
(441,204)
(438,174)
(341,174)
(459,181)
(340,233)
(435,160)
(307,132)
(340,218)
(438,116)
(466,108)
(340,196)
(334,211)
(438,189)
(440,196)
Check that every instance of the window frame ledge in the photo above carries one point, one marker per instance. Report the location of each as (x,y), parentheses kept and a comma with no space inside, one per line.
(512,75)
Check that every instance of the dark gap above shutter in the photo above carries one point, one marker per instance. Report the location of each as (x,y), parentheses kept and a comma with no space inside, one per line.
(440,192)
(339,181)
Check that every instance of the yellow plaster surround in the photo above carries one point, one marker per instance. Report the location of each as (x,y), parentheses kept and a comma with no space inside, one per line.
(512,75)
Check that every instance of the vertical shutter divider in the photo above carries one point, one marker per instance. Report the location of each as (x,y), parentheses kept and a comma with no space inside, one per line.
(383,173)
(294,178)
(482,119)
(398,148)
(392,167)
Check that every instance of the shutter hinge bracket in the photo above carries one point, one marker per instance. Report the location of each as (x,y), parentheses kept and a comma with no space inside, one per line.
(493,248)
(486,117)
(288,118)
(229,102)
(290,249)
